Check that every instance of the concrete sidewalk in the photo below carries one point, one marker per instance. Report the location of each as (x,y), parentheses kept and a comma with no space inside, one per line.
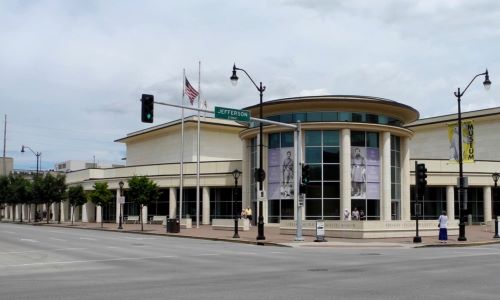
(476,235)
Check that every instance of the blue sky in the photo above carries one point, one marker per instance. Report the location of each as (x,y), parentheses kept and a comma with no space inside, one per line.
(72,72)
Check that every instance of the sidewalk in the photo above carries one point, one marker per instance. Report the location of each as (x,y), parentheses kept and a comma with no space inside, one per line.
(476,235)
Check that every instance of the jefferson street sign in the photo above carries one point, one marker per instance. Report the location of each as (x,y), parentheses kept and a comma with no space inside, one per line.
(232,114)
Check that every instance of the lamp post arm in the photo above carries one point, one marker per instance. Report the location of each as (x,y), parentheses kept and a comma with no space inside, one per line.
(463,92)
(260,89)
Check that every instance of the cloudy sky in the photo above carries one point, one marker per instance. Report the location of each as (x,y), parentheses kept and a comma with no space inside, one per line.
(72,72)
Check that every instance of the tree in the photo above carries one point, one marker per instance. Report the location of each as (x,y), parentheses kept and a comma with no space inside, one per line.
(142,191)
(20,191)
(101,195)
(76,197)
(48,189)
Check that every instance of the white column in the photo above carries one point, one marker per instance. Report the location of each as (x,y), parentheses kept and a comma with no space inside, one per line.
(64,211)
(206,206)
(25,212)
(88,212)
(345,171)
(172,202)
(98,212)
(450,202)
(487,203)
(18,213)
(144,215)
(385,201)
(78,214)
(405,179)
(245,175)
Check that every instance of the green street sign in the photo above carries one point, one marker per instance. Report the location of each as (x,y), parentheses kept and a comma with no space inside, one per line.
(232,114)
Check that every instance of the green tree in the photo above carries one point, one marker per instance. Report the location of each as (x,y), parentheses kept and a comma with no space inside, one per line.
(48,189)
(76,197)
(142,191)
(20,191)
(101,195)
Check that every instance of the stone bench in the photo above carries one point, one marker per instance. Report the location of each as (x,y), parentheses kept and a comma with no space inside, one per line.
(158,220)
(187,223)
(228,224)
(134,219)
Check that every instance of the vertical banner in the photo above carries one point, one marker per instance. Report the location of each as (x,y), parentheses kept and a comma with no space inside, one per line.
(280,171)
(467,142)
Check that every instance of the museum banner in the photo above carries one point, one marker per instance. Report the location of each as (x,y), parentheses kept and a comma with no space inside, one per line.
(467,141)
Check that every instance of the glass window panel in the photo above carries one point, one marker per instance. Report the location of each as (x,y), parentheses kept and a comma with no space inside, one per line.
(331,172)
(373,208)
(330,117)
(331,154)
(331,207)
(345,116)
(314,190)
(274,207)
(358,138)
(359,204)
(315,171)
(331,138)
(313,155)
(331,189)
(371,118)
(313,138)
(372,139)
(358,117)
(313,208)
(274,118)
(286,139)
(302,117)
(286,118)
(287,209)
(314,117)
(383,120)
(274,140)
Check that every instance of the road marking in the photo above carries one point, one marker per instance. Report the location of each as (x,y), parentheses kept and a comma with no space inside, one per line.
(10,232)
(112,247)
(208,254)
(87,238)
(34,251)
(29,240)
(90,261)
(56,239)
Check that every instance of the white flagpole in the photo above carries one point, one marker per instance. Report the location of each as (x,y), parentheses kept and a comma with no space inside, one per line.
(198,153)
(181,185)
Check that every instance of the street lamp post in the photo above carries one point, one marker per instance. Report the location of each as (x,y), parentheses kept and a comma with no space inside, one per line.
(121,200)
(495,177)
(236,175)
(37,154)
(461,179)
(260,174)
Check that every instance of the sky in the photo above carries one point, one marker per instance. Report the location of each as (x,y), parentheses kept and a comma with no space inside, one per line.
(72,72)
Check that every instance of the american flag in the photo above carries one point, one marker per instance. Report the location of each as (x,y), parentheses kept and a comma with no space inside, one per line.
(190,92)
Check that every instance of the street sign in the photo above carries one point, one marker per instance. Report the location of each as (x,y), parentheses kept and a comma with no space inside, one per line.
(121,199)
(232,114)
(302,198)
(261,196)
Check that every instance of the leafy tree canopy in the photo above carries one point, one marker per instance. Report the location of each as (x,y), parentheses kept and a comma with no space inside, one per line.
(142,190)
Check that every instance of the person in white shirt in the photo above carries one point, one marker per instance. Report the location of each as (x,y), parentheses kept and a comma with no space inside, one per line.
(443,227)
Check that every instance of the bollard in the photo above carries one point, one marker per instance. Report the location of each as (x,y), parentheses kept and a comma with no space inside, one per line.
(496,229)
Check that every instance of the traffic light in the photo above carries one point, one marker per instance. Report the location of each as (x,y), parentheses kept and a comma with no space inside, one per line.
(260,175)
(305,174)
(147,108)
(420,178)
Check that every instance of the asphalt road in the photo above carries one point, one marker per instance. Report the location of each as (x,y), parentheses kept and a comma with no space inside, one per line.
(40,262)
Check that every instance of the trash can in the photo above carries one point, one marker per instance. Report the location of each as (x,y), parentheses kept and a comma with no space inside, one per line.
(173,226)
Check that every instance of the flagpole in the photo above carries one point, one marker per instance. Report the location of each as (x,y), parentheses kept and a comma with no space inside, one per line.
(198,153)
(181,184)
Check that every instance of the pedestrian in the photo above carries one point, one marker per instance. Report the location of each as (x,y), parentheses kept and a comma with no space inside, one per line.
(443,227)
(361,215)
(249,215)
(243,214)
(346,214)
(355,214)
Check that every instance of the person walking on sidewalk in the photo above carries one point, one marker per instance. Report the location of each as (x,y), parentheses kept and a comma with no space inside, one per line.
(249,215)
(443,227)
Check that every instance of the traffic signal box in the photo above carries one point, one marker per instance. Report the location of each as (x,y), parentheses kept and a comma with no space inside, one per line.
(420,178)
(305,179)
(147,108)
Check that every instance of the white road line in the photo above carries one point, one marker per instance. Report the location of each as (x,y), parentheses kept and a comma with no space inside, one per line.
(56,239)
(87,238)
(112,247)
(29,240)
(34,251)
(90,261)
(10,232)
(208,254)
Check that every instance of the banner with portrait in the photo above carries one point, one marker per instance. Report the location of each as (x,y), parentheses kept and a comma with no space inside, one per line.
(467,142)
(280,171)
(365,173)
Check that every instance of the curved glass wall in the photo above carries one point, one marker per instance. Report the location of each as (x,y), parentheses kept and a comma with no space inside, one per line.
(322,154)
(333,116)
(395,177)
